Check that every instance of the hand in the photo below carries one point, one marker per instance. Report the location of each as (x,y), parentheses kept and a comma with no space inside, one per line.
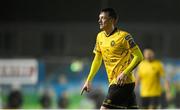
(168,96)
(122,78)
(86,87)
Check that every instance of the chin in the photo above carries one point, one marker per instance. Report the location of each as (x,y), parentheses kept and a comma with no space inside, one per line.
(101,28)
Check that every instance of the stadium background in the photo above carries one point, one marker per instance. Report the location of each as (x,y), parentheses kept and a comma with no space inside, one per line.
(60,35)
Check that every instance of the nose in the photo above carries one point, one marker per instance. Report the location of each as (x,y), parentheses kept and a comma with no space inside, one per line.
(99,20)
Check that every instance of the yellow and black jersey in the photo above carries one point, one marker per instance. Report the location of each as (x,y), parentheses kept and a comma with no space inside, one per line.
(116,52)
(149,75)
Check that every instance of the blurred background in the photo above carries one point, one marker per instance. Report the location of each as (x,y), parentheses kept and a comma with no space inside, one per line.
(46,48)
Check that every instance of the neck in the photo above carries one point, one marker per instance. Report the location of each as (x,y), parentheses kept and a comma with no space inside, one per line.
(150,60)
(109,30)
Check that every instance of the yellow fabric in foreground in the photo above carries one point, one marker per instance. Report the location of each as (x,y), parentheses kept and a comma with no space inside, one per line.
(150,74)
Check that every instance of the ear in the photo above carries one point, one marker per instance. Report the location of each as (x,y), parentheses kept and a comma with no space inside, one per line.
(114,21)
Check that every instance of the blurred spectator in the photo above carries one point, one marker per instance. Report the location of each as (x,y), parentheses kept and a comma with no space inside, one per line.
(177,100)
(163,101)
(63,100)
(149,74)
(97,96)
(46,100)
(62,79)
(15,99)
(87,103)
(176,84)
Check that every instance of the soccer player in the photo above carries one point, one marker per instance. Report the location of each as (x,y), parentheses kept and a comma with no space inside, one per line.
(149,74)
(120,55)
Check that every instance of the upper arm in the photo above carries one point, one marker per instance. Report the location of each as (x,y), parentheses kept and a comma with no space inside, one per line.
(128,41)
(97,46)
(131,46)
(98,56)
(97,51)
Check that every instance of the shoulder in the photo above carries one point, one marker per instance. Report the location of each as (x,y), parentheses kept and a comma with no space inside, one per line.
(123,32)
(158,62)
(141,65)
(142,62)
(126,35)
(100,34)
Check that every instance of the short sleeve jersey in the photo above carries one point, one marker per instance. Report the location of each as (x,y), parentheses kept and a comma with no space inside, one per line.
(150,74)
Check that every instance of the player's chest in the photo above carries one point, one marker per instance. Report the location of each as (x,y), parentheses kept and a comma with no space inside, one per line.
(111,44)
(150,70)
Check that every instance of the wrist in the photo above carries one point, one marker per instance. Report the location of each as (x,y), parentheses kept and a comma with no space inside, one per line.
(124,72)
(88,81)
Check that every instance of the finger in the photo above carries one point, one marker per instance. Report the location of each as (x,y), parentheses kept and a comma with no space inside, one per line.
(119,82)
(84,89)
(128,79)
(122,82)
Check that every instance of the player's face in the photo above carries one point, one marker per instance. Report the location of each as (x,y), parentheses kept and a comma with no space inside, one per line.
(148,55)
(105,22)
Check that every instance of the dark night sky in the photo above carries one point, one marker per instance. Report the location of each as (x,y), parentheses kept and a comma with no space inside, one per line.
(87,10)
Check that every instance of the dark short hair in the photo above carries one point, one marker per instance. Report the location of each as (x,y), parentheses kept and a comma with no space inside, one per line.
(111,12)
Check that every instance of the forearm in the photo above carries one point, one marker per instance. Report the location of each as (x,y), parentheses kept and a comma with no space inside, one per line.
(95,66)
(138,57)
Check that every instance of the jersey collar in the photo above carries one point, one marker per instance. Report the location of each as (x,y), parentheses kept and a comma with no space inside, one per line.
(115,29)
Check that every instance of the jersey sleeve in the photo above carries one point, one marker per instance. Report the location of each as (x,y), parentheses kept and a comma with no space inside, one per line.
(129,42)
(97,47)
(137,58)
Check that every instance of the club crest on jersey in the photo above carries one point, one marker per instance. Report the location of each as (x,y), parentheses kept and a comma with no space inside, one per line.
(112,43)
